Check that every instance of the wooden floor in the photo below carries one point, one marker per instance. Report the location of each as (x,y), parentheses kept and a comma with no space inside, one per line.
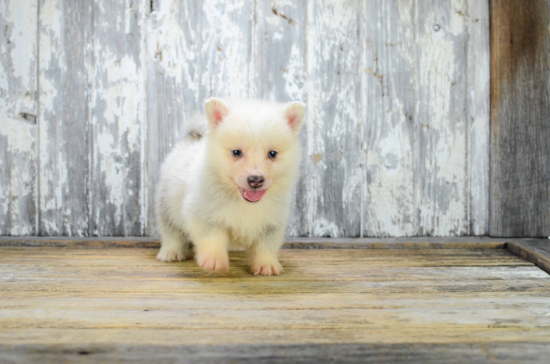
(66,304)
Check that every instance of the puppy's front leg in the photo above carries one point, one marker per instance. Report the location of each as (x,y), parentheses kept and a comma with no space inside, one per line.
(211,250)
(263,253)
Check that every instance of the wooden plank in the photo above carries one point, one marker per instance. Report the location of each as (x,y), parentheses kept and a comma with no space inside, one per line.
(477,353)
(280,59)
(535,251)
(18,110)
(534,302)
(520,110)
(104,338)
(85,318)
(479,60)
(334,175)
(117,89)
(65,52)
(62,302)
(295,254)
(423,172)
(294,271)
(389,93)
(442,125)
(291,243)
(219,285)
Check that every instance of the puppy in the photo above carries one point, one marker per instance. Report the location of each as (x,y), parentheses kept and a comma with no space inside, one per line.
(228,185)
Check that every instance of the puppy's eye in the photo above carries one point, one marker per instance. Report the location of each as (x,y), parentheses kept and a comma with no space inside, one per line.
(272,154)
(236,153)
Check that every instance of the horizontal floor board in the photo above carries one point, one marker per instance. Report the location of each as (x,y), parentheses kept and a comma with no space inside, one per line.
(410,353)
(467,242)
(444,333)
(222,318)
(290,301)
(265,286)
(97,301)
(296,272)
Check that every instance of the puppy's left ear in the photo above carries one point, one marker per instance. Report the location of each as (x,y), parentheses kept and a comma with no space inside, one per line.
(294,114)
(216,110)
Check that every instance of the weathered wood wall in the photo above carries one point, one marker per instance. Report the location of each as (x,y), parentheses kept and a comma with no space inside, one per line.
(520,118)
(95,93)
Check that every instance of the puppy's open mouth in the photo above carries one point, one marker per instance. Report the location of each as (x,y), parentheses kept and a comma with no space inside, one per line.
(252,196)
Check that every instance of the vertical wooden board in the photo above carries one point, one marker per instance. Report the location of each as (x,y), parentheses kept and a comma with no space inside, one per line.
(442,123)
(117,114)
(64,58)
(334,173)
(479,114)
(195,49)
(225,62)
(18,63)
(173,45)
(280,75)
(389,101)
(520,118)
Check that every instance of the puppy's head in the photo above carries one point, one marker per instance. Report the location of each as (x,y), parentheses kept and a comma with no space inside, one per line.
(253,145)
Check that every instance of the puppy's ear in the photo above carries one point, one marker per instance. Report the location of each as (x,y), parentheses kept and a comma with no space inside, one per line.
(294,114)
(216,110)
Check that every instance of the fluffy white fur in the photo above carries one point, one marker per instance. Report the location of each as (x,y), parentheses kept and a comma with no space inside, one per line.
(201,197)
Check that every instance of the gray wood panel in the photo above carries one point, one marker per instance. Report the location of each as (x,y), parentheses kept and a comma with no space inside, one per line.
(117,106)
(65,55)
(18,108)
(479,114)
(492,352)
(334,173)
(520,118)
(395,142)
(535,251)
(390,101)
(425,84)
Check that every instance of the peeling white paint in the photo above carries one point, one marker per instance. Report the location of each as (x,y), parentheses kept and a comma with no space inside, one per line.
(389,146)
(17,104)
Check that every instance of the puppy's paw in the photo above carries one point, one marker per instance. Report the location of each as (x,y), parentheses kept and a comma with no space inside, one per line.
(166,255)
(213,263)
(271,268)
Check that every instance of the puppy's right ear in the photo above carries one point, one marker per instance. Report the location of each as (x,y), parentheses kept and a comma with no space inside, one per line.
(216,110)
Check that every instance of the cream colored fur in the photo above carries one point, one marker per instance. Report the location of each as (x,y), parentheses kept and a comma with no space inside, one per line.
(200,199)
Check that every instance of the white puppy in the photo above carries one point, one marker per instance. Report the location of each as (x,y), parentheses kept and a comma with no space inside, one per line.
(229,187)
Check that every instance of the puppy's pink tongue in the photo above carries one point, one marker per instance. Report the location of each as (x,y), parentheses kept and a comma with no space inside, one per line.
(253,196)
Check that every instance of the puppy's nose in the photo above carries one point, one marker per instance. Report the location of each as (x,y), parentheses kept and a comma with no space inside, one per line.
(255,181)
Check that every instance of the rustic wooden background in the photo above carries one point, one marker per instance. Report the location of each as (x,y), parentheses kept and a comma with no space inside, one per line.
(93,94)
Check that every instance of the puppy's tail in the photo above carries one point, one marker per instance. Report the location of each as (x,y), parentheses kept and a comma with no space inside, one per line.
(196,128)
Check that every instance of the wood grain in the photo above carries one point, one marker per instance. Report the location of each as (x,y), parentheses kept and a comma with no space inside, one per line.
(121,304)
(291,243)
(479,107)
(334,174)
(503,352)
(424,175)
(535,251)
(65,55)
(18,111)
(520,110)
(395,141)
(117,118)
(389,98)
